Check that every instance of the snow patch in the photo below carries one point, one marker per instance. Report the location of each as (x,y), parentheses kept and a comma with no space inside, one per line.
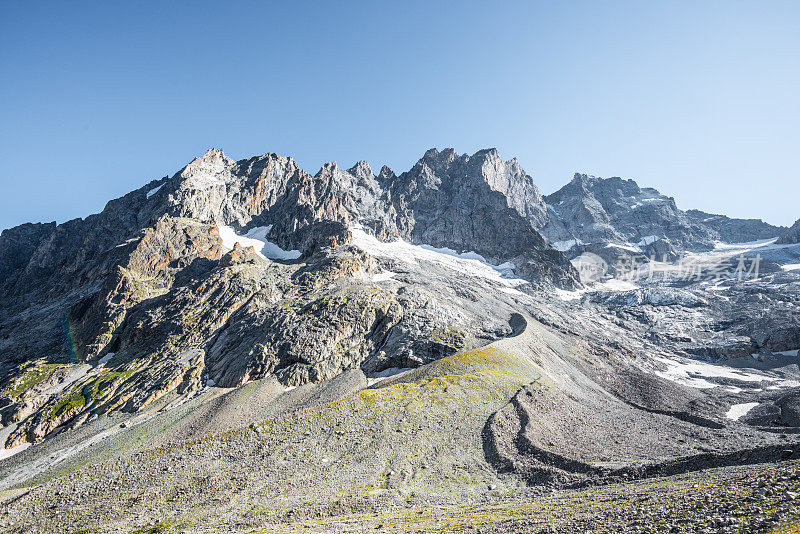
(648,240)
(627,246)
(615,284)
(563,294)
(511,291)
(468,263)
(381,376)
(8,453)
(612,284)
(791,267)
(106,358)
(738,410)
(563,246)
(256,238)
(469,255)
(383,277)
(154,191)
(699,375)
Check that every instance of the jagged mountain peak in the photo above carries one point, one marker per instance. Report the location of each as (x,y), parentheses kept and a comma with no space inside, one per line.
(361,169)
(213,158)
(614,186)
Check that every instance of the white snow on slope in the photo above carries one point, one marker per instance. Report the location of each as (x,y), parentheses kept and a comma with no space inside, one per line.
(154,191)
(700,375)
(465,263)
(469,255)
(256,238)
(106,358)
(647,240)
(8,453)
(738,410)
(387,374)
(627,246)
(613,284)
(383,277)
(791,267)
(563,246)
(744,247)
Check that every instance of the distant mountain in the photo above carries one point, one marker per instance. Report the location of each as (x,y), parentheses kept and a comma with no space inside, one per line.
(736,230)
(594,211)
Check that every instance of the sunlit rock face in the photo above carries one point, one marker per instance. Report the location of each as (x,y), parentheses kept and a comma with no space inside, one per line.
(231,271)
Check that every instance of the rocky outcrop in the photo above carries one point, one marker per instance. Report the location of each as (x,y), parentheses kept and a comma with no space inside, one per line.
(453,201)
(300,340)
(791,236)
(153,261)
(161,294)
(474,203)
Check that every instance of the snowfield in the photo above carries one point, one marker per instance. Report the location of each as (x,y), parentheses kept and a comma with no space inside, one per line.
(256,238)
(468,263)
(739,410)
(702,375)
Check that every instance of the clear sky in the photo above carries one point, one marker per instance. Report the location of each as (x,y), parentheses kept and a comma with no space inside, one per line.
(697,99)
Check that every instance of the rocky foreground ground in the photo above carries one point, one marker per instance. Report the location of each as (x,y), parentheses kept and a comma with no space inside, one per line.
(448,447)
(754,498)
(758,498)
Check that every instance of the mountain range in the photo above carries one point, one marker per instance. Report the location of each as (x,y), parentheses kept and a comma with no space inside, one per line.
(435,335)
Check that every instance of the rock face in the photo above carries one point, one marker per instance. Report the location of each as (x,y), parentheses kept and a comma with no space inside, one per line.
(149,300)
(736,230)
(235,271)
(592,210)
(474,203)
(792,235)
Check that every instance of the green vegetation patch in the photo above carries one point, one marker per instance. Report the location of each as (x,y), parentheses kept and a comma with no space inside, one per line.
(33,376)
(103,381)
(75,400)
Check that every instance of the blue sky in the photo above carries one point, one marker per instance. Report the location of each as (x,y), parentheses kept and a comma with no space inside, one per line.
(697,99)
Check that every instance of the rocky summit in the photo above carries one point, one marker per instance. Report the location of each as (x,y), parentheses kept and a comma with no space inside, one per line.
(245,346)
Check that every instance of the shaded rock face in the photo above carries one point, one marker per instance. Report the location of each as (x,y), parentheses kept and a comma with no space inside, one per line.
(615,210)
(301,340)
(454,201)
(154,260)
(592,210)
(791,236)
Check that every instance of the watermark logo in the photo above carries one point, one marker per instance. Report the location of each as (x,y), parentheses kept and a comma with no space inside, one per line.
(592,267)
